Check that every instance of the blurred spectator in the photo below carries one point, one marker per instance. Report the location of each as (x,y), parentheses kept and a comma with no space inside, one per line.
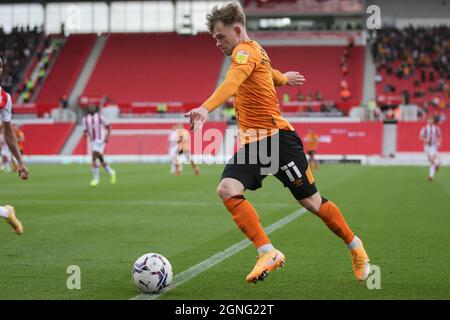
(41,75)
(345,94)
(423,75)
(399,73)
(389,69)
(431,76)
(420,58)
(30,85)
(375,112)
(389,88)
(350,41)
(162,108)
(64,102)
(405,95)
(419,94)
(390,114)
(418,47)
(17,48)
(344,69)
(318,96)
(63,29)
(406,71)
(300,96)
(45,61)
(26,96)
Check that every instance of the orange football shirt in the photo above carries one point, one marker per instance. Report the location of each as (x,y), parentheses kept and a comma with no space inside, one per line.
(312,140)
(256,103)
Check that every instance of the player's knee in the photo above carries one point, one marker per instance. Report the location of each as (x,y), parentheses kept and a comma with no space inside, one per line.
(312,203)
(227,189)
(312,207)
(223,191)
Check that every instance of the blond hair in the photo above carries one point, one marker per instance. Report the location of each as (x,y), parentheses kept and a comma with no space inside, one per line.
(229,14)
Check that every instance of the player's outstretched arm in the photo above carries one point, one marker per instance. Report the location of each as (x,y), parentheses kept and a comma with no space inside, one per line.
(11,141)
(290,78)
(228,88)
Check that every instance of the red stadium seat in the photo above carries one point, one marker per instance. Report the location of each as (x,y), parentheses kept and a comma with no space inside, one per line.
(140,69)
(45,139)
(65,71)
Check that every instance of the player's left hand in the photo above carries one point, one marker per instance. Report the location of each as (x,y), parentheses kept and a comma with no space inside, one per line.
(197,117)
(294,78)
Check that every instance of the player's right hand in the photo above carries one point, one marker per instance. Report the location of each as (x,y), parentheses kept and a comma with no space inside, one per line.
(23,171)
(294,78)
(197,117)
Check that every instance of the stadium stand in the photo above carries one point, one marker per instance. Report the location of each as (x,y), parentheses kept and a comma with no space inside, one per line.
(18,48)
(321,67)
(65,71)
(44,138)
(160,68)
(413,67)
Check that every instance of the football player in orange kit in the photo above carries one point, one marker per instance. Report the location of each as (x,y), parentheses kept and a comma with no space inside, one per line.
(179,147)
(312,140)
(252,80)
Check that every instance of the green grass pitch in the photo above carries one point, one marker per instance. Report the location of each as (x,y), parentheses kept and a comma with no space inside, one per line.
(402,218)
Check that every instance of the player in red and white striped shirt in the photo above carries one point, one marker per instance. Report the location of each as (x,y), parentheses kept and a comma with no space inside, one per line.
(431,137)
(8,212)
(98,130)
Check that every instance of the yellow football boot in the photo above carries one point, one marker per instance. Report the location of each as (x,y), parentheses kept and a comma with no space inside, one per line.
(360,262)
(266,263)
(113,178)
(13,221)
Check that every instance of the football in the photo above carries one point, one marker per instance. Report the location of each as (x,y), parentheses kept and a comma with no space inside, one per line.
(152,272)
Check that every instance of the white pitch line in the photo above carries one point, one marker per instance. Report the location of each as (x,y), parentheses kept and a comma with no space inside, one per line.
(138,202)
(217,258)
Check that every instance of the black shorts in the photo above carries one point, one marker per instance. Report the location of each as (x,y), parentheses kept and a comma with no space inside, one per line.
(289,164)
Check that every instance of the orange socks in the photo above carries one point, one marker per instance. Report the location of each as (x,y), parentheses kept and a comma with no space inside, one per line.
(330,214)
(247,219)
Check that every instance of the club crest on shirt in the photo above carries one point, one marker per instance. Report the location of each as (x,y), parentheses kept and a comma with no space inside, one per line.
(242,57)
